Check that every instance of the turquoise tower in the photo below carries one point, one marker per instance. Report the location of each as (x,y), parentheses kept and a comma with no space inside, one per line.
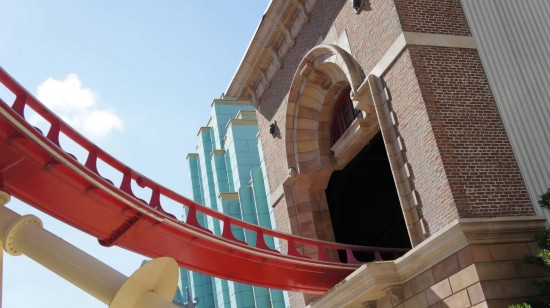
(227,175)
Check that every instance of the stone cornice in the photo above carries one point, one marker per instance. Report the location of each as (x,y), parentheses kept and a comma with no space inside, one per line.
(501,230)
(275,34)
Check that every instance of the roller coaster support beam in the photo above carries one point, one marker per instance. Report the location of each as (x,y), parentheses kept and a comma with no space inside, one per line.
(152,285)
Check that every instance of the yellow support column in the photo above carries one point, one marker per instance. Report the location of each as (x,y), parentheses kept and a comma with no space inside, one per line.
(152,285)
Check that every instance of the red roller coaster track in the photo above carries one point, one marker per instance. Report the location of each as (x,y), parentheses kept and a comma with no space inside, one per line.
(35,169)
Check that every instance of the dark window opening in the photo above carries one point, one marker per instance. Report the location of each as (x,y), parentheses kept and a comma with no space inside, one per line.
(364,204)
(343,115)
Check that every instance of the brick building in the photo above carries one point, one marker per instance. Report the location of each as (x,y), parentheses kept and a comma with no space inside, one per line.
(407,124)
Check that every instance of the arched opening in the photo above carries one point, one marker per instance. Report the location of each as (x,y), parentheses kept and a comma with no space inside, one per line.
(340,185)
(364,204)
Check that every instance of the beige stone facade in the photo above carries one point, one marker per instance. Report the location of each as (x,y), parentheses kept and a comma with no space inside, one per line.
(415,75)
(473,262)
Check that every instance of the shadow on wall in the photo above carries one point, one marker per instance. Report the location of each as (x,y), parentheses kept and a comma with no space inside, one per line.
(364,204)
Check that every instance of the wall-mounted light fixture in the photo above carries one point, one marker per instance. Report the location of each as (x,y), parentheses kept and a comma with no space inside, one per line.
(358,5)
(274,130)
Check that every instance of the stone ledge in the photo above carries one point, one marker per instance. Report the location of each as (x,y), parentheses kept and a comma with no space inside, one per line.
(354,139)
(228,196)
(368,282)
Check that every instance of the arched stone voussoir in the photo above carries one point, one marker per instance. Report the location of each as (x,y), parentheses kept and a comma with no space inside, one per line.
(333,60)
(323,72)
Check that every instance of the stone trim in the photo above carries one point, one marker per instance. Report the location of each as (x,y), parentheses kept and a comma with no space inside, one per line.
(353,140)
(507,230)
(274,37)
(222,101)
(422,39)
(439,40)
(276,195)
(372,281)
(247,122)
(395,147)
(252,78)
(228,196)
(204,128)
(217,152)
(312,88)
(246,113)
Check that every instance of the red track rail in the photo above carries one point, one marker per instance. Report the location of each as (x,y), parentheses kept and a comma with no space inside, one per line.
(35,169)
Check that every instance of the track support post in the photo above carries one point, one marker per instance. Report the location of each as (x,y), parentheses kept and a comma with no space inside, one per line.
(152,285)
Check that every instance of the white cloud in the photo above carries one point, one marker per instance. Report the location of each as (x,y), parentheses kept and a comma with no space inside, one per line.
(77,106)
(101,122)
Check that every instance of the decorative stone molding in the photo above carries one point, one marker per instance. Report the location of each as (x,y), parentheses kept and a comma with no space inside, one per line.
(292,174)
(369,304)
(396,293)
(265,80)
(353,140)
(373,281)
(306,69)
(273,38)
(277,194)
(276,57)
(402,171)
(501,230)
(290,39)
(253,97)
(303,10)
(311,74)
(420,39)
(324,72)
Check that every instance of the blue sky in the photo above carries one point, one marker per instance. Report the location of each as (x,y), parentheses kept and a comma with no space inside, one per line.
(146,70)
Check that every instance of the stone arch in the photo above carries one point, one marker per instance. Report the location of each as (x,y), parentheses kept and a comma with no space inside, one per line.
(317,83)
(321,75)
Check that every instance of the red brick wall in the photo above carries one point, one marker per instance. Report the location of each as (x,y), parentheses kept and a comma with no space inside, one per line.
(477,158)
(370,33)
(422,151)
(429,16)
(462,162)
(456,144)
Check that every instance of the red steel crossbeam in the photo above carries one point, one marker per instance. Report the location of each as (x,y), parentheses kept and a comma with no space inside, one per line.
(35,169)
